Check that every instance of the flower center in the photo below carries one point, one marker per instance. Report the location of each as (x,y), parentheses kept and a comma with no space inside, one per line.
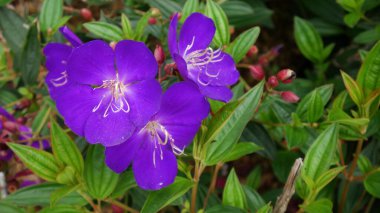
(200,59)
(118,101)
(160,137)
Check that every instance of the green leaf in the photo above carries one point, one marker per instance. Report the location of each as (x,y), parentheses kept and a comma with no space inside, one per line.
(265,209)
(126,27)
(126,181)
(296,136)
(65,149)
(39,122)
(321,153)
(364,164)
(325,91)
(254,178)
(368,36)
(50,14)
(240,46)
(100,180)
(254,200)
(233,193)
(39,195)
(10,208)
(353,89)
(141,25)
(40,162)
(308,40)
(369,74)
(62,192)
(372,184)
(327,177)
(62,209)
(13,28)
(241,149)
(216,13)
(352,19)
(166,7)
(190,7)
(283,163)
(323,205)
(223,209)
(228,124)
(4,2)
(104,30)
(315,107)
(31,57)
(158,199)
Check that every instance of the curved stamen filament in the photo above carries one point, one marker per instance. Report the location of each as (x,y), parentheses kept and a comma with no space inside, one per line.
(60,81)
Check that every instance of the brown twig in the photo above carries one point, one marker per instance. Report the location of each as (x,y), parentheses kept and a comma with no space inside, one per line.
(212,184)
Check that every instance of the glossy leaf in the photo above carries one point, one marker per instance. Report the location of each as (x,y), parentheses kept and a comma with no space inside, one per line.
(100,180)
(105,30)
(254,178)
(327,177)
(283,163)
(228,124)
(189,7)
(60,193)
(372,184)
(233,193)
(126,181)
(353,89)
(126,27)
(31,57)
(322,205)
(241,149)
(13,28)
(240,46)
(223,209)
(295,136)
(364,164)
(222,34)
(320,154)
(159,199)
(64,148)
(40,162)
(10,208)
(166,7)
(141,25)
(50,14)
(62,209)
(254,200)
(369,73)
(315,107)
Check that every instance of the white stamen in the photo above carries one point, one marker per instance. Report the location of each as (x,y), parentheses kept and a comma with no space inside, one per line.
(60,81)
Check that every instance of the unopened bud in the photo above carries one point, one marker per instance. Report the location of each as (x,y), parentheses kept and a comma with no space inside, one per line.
(155,11)
(10,126)
(86,14)
(286,76)
(290,97)
(159,54)
(252,51)
(257,72)
(272,82)
(152,21)
(232,30)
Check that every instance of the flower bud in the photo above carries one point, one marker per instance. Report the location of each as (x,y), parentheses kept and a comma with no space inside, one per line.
(290,97)
(155,11)
(252,51)
(159,54)
(152,21)
(286,76)
(257,72)
(272,82)
(86,14)
(170,68)
(10,126)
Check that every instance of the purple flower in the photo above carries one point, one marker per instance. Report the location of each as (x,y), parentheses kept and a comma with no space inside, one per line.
(212,70)
(152,149)
(57,55)
(110,92)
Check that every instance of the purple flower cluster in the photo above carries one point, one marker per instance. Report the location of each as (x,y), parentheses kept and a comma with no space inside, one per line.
(110,96)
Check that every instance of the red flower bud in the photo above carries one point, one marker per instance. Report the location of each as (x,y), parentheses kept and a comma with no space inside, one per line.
(86,14)
(159,54)
(286,76)
(290,97)
(10,126)
(272,82)
(257,72)
(152,21)
(252,51)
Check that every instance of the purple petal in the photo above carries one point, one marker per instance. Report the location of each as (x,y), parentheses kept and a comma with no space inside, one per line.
(154,168)
(220,73)
(44,144)
(119,157)
(181,66)
(134,61)
(182,110)
(172,36)
(92,63)
(144,99)
(197,33)
(6,154)
(6,114)
(70,36)
(219,93)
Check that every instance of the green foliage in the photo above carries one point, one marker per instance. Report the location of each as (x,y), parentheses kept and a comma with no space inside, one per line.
(222,34)
(233,193)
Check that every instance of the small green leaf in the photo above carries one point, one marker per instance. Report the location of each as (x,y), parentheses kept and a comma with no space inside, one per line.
(216,13)
(190,7)
(67,176)
(65,149)
(51,12)
(31,57)
(254,178)
(40,162)
(141,25)
(241,149)
(105,30)
(323,205)
(283,163)
(327,177)
(353,89)
(372,184)
(158,199)
(320,154)
(352,19)
(254,200)
(100,180)
(223,209)
(296,136)
(126,27)
(126,181)
(265,209)
(240,46)
(41,119)
(364,164)
(61,193)
(62,209)
(13,28)
(233,193)
(315,107)
(166,7)
(369,73)
(10,208)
